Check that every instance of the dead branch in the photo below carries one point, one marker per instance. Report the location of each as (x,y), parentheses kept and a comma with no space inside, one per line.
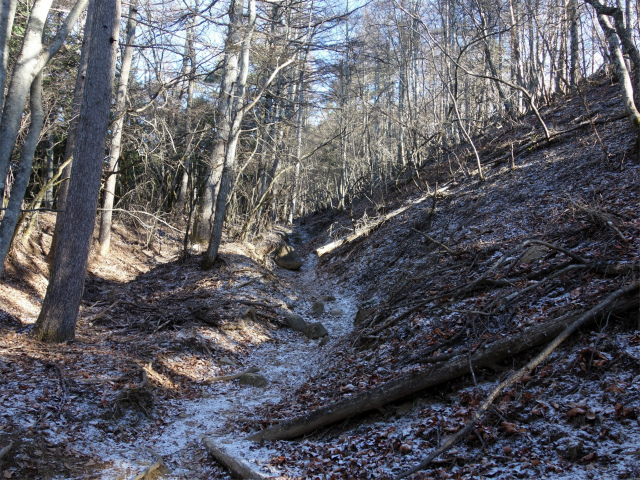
(103,312)
(256,304)
(6,450)
(414,382)
(227,378)
(238,467)
(504,301)
(588,316)
(63,385)
(442,245)
(598,218)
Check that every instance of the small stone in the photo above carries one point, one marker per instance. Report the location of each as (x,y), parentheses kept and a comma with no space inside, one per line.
(313,331)
(323,341)
(336,312)
(317,308)
(253,379)
(329,298)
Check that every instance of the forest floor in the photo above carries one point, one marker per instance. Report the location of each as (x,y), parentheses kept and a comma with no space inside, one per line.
(437,270)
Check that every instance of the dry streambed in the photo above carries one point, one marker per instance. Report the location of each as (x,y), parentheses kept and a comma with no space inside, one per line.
(285,358)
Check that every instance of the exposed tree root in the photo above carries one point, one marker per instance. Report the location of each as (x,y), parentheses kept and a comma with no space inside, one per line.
(412,383)
(601,308)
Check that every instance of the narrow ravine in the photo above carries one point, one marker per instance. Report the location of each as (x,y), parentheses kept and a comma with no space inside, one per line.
(287,360)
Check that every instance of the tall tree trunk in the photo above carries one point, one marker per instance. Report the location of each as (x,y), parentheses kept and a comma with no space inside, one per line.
(32,59)
(233,58)
(8,226)
(48,196)
(57,319)
(104,237)
(190,61)
(7,14)
(575,75)
(71,131)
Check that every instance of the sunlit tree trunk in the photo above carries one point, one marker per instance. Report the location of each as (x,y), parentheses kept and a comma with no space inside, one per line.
(32,59)
(8,226)
(234,79)
(7,14)
(104,237)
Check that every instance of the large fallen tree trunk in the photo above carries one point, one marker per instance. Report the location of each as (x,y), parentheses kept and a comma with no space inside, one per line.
(410,384)
(366,230)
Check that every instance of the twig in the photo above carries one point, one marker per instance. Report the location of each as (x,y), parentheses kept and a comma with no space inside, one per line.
(433,240)
(63,385)
(103,312)
(514,377)
(256,304)
(227,378)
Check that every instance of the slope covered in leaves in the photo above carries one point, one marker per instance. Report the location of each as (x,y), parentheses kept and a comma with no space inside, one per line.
(457,271)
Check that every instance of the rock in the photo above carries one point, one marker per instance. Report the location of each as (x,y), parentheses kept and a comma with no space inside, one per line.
(287,257)
(324,340)
(316,330)
(336,312)
(317,308)
(296,322)
(253,379)
(328,298)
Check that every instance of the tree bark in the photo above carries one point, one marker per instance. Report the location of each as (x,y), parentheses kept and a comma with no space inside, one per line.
(7,14)
(104,237)
(57,319)
(32,59)
(10,219)
(231,115)
(71,132)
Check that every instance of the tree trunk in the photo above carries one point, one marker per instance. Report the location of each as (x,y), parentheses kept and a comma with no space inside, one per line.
(7,14)
(8,226)
(57,319)
(104,237)
(48,196)
(231,114)
(32,59)
(71,132)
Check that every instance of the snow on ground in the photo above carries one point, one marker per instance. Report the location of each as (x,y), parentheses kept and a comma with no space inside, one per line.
(287,360)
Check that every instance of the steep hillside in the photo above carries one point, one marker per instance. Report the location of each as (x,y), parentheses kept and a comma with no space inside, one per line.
(460,269)
(432,296)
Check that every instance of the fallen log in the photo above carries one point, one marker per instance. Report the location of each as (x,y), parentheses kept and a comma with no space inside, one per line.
(375,224)
(606,305)
(237,466)
(412,383)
